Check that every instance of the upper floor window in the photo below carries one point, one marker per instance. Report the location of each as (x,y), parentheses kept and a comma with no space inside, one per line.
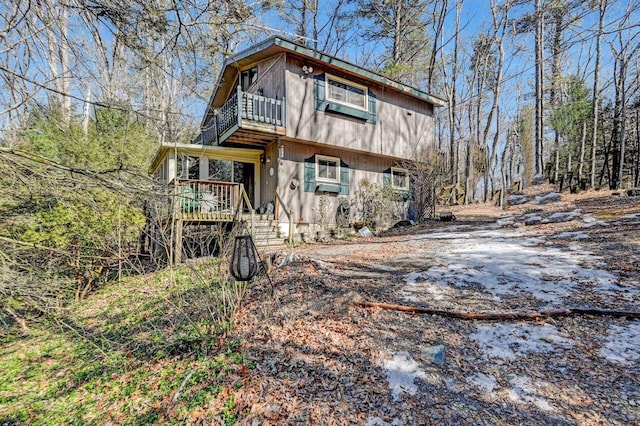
(327,169)
(248,77)
(400,178)
(346,92)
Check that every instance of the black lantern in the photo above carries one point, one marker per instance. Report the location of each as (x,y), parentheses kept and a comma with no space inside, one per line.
(244,262)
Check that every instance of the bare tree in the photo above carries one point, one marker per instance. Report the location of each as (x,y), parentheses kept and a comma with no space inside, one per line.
(602,10)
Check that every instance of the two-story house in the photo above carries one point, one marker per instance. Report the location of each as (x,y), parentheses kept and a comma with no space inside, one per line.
(293,132)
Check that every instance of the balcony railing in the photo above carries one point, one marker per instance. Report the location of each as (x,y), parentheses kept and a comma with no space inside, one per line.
(244,107)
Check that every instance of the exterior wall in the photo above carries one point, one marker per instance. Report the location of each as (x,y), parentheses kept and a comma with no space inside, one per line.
(270,80)
(305,205)
(402,122)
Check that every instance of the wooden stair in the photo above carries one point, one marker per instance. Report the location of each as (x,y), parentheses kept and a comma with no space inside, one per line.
(266,235)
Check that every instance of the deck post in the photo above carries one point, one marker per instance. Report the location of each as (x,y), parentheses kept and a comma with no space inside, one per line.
(177,249)
(276,206)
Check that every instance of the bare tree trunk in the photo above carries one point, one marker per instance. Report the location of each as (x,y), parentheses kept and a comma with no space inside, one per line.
(539,82)
(554,95)
(636,180)
(583,141)
(86,112)
(452,99)
(596,92)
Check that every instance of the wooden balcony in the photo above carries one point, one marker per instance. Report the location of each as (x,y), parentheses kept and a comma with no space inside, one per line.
(246,119)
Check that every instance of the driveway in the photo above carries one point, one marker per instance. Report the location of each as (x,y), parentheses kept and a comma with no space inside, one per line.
(322,359)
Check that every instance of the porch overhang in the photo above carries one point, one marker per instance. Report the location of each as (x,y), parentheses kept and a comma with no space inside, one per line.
(246,155)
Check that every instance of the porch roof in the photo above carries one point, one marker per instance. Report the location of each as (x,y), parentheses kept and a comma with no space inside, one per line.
(217,152)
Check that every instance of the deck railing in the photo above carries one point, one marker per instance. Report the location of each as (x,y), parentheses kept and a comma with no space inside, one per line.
(207,200)
(264,110)
(253,108)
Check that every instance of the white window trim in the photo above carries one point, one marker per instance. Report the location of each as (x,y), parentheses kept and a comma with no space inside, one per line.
(327,158)
(350,83)
(406,179)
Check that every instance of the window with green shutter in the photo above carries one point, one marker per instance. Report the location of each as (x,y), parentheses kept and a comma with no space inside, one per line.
(336,95)
(326,174)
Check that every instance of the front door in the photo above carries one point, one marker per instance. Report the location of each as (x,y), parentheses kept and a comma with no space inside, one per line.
(244,173)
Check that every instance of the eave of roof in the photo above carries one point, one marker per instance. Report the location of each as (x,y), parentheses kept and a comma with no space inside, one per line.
(218,152)
(276,45)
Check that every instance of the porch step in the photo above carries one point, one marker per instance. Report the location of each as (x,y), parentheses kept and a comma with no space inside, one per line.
(266,235)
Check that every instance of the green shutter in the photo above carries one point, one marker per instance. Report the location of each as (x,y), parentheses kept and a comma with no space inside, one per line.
(372,108)
(310,174)
(319,91)
(344,178)
(386,177)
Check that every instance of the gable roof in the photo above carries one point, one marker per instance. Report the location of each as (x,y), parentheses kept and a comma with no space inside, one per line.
(275,45)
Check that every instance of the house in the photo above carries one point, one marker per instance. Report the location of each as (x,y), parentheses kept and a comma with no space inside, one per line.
(291,133)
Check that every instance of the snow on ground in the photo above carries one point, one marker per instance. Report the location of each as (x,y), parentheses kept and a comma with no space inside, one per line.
(509,341)
(377,421)
(504,263)
(572,236)
(497,263)
(622,344)
(484,382)
(402,371)
(524,390)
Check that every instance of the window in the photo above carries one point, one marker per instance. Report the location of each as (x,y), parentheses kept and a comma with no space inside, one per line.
(188,167)
(327,169)
(220,170)
(400,178)
(248,77)
(323,174)
(346,93)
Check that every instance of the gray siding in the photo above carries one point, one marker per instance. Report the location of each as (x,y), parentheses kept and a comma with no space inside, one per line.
(402,122)
(271,78)
(305,204)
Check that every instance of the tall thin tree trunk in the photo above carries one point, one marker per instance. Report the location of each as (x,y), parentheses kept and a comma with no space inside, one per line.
(453,149)
(554,95)
(583,141)
(539,125)
(596,92)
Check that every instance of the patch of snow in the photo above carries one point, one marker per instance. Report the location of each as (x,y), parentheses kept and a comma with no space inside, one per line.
(508,341)
(484,382)
(515,200)
(402,371)
(632,216)
(418,285)
(572,235)
(525,391)
(377,421)
(551,197)
(506,221)
(623,344)
(562,216)
(503,264)
(589,220)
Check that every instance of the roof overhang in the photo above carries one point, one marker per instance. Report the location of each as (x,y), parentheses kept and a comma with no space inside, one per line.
(216,152)
(275,45)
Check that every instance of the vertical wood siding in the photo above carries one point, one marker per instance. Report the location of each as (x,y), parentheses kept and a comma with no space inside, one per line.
(271,78)
(305,204)
(402,122)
